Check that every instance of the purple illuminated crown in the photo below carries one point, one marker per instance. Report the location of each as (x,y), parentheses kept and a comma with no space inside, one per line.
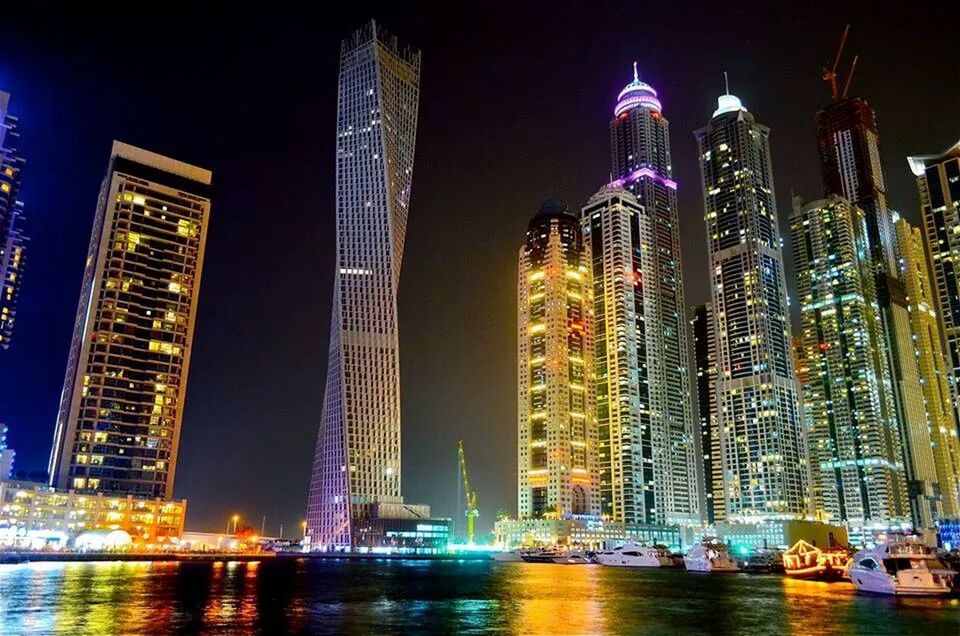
(636,94)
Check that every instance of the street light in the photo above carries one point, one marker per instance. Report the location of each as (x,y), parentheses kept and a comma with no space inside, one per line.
(304,525)
(236,519)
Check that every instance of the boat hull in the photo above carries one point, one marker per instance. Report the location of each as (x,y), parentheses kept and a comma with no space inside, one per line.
(816,573)
(921,583)
(708,566)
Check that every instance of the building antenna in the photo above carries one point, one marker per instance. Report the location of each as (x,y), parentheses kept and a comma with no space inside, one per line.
(635,77)
(726,82)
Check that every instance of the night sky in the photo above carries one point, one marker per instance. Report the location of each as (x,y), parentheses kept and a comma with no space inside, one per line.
(515,106)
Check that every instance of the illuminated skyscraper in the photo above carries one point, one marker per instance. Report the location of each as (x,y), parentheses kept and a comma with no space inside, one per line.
(663,486)
(356,466)
(850,164)
(765,466)
(705,354)
(557,444)
(932,449)
(118,428)
(938,179)
(13,243)
(854,434)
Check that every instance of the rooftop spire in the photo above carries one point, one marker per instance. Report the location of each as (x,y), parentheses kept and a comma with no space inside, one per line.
(635,77)
(726,83)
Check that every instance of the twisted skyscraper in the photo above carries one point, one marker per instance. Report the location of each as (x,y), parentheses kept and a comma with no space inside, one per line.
(356,467)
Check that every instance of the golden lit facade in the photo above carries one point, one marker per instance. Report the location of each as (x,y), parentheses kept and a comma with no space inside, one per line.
(27,507)
(938,180)
(853,431)
(557,440)
(933,449)
(121,408)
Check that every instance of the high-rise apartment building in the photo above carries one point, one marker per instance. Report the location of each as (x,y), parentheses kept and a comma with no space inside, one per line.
(849,144)
(854,434)
(13,243)
(557,440)
(850,163)
(766,471)
(705,354)
(938,179)
(641,164)
(356,466)
(932,447)
(121,409)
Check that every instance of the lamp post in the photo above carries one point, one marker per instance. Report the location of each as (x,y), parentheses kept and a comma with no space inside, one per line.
(304,526)
(236,520)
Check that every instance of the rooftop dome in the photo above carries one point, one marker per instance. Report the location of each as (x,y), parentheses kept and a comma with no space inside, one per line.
(553,207)
(728,104)
(636,94)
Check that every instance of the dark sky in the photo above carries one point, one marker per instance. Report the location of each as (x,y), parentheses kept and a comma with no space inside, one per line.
(514,108)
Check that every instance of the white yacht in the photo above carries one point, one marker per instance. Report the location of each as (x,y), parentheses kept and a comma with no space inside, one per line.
(634,555)
(710,556)
(511,555)
(903,566)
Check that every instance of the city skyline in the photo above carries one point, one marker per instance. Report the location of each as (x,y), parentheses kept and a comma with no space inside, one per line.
(686,223)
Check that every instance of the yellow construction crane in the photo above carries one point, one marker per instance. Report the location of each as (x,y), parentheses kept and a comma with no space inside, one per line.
(471,495)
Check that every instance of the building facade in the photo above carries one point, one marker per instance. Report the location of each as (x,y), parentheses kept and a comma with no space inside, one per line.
(121,409)
(33,514)
(938,180)
(7,455)
(357,454)
(582,532)
(668,485)
(557,428)
(704,331)
(13,242)
(854,435)
(763,448)
(933,450)
(850,163)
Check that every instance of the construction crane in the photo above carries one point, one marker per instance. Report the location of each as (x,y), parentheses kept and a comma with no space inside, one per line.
(830,75)
(471,511)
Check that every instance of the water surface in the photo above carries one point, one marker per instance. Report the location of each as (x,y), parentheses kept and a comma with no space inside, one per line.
(468,597)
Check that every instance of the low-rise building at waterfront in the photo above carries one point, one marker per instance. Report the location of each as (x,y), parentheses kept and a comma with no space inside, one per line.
(33,514)
(394,528)
(587,532)
(744,538)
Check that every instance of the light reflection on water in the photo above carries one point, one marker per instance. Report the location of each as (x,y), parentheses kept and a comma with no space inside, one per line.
(445,597)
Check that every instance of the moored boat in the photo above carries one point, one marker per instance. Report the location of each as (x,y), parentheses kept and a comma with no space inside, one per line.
(509,556)
(903,566)
(710,556)
(635,555)
(806,561)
